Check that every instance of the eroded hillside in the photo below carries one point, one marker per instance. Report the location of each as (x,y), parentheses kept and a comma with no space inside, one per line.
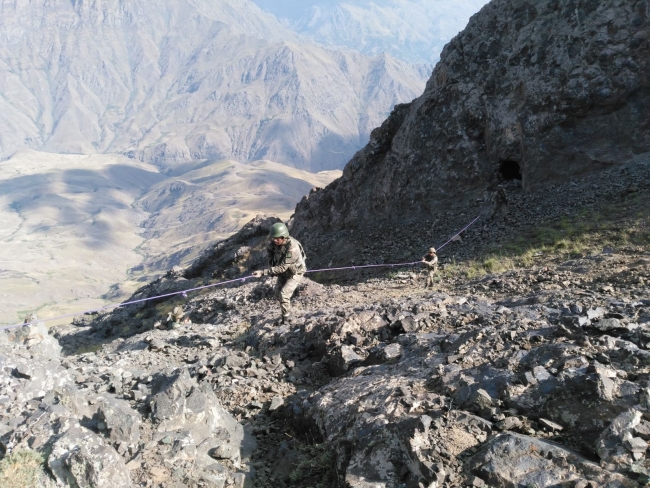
(176,83)
(79,230)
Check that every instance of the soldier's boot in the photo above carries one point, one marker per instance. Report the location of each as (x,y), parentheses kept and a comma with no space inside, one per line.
(286,319)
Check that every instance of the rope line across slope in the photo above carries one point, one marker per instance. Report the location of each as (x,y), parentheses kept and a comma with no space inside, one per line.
(221,283)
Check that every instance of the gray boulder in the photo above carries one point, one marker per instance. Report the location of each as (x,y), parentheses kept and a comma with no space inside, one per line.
(617,444)
(511,459)
(179,403)
(33,338)
(122,422)
(81,458)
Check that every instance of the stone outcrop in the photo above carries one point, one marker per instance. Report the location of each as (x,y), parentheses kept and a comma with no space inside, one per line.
(541,91)
(513,459)
(81,458)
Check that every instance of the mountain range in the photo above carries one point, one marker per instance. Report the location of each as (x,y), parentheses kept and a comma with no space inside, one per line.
(174,83)
(411,30)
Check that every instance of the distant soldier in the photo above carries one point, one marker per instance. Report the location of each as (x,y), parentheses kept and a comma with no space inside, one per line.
(30,318)
(499,199)
(175,317)
(430,260)
(287,261)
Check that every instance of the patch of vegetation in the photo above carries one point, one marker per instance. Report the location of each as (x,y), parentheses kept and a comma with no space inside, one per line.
(588,232)
(37,309)
(88,348)
(317,469)
(24,469)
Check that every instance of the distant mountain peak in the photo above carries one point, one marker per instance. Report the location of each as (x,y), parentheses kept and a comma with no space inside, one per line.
(414,31)
(205,79)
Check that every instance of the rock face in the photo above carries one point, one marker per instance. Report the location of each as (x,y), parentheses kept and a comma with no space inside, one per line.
(542,91)
(513,459)
(118,79)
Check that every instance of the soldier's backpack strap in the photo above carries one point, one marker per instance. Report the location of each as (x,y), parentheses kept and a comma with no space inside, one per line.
(303,255)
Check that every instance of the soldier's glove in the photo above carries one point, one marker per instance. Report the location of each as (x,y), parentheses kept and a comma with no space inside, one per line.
(258,274)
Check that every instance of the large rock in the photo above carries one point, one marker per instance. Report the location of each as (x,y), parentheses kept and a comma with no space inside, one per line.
(81,458)
(512,459)
(33,377)
(33,338)
(617,444)
(178,403)
(122,422)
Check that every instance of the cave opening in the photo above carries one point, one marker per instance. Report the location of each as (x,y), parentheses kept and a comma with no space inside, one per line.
(510,170)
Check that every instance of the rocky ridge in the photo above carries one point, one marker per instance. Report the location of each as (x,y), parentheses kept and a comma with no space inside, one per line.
(378,383)
(537,91)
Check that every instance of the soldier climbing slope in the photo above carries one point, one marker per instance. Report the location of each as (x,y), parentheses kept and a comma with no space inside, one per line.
(430,260)
(287,262)
(175,317)
(499,199)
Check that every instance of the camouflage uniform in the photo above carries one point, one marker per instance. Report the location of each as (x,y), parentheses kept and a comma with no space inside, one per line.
(499,199)
(431,262)
(175,317)
(288,264)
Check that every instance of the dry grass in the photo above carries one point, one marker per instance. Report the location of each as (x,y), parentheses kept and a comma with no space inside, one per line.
(24,469)
(624,224)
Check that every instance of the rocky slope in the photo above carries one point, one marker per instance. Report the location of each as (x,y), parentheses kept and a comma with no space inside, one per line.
(378,382)
(170,84)
(533,377)
(413,31)
(537,91)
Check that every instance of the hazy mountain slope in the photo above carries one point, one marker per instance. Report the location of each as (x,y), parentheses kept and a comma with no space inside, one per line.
(412,30)
(210,201)
(177,82)
(69,229)
(71,226)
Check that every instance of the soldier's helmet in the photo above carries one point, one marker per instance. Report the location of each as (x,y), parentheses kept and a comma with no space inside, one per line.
(278,230)
(432,250)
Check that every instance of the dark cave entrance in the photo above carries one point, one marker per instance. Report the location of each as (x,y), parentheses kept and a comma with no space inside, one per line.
(510,170)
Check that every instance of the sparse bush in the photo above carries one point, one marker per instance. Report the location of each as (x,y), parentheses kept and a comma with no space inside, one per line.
(24,469)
